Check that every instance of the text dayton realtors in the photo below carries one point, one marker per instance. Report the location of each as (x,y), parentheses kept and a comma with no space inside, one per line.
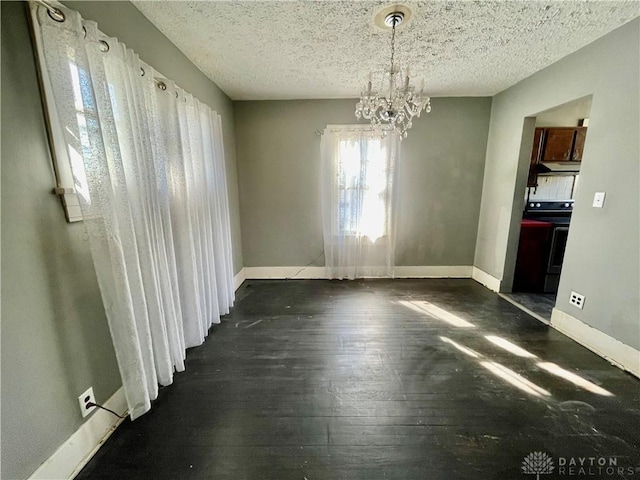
(592,466)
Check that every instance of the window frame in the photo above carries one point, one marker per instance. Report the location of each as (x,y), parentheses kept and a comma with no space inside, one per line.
(64,180)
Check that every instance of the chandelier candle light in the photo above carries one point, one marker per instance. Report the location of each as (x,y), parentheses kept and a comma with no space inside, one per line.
(395,111)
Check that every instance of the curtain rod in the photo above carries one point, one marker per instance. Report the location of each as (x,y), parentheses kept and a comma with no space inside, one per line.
(350,130)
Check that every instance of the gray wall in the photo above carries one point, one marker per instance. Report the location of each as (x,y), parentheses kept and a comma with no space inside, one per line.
(55,339)
(440,180)
(603,251)
(566,115)
(121,19)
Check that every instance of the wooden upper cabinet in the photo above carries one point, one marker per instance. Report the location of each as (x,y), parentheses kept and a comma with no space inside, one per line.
(563,144)
(558,144)
(555,144)
(578,145)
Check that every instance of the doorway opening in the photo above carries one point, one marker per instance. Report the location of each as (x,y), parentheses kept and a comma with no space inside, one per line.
(553,179)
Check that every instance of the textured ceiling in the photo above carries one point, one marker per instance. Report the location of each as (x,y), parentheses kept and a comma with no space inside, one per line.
(325,49)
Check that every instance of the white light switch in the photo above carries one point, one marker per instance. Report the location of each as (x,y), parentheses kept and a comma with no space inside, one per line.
(598,199)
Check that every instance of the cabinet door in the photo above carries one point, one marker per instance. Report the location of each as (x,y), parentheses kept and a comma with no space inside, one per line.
(558,144)
(578,146)
(532,181)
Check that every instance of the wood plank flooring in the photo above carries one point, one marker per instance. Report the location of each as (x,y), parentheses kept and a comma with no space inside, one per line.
(539,303)
(367,380)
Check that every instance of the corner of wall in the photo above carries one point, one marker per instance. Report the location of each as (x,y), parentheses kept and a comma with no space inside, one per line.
(489,281)
(239,279)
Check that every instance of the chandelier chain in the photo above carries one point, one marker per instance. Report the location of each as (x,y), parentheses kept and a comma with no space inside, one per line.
(393,42)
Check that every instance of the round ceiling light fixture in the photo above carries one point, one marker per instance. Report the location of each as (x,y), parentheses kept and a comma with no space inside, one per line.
(384,17)
(394,19)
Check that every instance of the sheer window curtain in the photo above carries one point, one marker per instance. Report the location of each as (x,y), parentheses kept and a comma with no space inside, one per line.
(358,201)
(148,164)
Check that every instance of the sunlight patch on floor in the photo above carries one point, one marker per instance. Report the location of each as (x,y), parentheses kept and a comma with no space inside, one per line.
(429,309)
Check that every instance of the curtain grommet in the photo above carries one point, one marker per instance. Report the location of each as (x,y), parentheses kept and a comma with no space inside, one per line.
(142,72)
(56,15)
(162,86)
(104,46)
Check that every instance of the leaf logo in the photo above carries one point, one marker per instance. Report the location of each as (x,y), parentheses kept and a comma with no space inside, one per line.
(537,463)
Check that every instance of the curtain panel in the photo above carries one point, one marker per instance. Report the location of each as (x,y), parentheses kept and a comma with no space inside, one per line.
(358,201)
(148,165)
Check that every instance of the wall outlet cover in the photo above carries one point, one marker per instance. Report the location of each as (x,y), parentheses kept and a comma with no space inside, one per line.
(577,300)
(84,399)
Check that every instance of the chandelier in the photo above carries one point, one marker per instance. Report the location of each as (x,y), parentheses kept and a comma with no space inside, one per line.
(392,108)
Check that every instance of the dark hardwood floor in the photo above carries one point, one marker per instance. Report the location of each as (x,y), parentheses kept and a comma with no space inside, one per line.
(539,303)
(363,380)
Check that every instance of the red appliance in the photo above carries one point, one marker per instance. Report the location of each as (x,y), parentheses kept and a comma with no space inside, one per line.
(558,213)
(533,255)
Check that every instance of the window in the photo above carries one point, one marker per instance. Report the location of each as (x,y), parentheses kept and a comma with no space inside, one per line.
(358,166)
(363,179)
(87,118)
(68,185)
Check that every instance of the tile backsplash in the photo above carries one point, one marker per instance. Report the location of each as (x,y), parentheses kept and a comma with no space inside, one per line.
(550,187)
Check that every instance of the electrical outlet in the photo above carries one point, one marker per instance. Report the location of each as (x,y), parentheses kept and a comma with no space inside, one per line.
(576,300)
(84,399)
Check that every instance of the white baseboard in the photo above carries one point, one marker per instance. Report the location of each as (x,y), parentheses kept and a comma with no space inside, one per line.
(616,352)
(238,279)
(454,271)
(285,272)
(73,455)
(491,282)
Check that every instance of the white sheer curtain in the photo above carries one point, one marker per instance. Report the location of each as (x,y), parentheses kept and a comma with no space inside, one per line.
(148,164)
(358,201)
